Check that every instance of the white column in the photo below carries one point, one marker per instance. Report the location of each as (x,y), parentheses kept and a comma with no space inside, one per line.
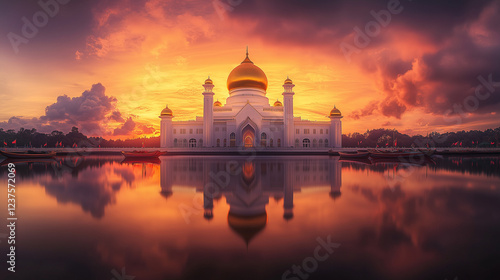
(166,132)
(331,140)
(289,128)
(208,115)
(338,140)
(335,134)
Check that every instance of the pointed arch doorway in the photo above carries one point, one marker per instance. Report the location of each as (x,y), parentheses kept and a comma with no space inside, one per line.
(248,136)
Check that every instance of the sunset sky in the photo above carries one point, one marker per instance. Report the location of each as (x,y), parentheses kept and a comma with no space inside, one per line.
(109,67)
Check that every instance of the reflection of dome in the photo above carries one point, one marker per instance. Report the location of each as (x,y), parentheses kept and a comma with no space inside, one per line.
(288,215)
(278,104)
(335,112)
(247,226)
(335,194)
(208,214)
(166,194)
(217,104)
(247,75)
(167,112)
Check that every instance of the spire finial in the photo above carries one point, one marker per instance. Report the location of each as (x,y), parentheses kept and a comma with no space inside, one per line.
(247,59)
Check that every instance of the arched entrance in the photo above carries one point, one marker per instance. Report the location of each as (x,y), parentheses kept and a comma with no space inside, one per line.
(248,136)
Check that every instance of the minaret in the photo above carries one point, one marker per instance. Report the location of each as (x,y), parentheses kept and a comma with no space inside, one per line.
(166,128)
(208,113)
(289,130)
(335,128)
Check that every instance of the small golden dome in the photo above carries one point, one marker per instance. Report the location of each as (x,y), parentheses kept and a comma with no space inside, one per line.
(167,112)
(209,81)
(278,104)
(335,112)
(247,75)
(217,104)
(288,81)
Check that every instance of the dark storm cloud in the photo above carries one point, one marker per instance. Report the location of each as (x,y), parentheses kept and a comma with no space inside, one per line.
(93,105)
(126,128)
(433,18)
(116,116)
(64,31)
(464,36)
(87,111)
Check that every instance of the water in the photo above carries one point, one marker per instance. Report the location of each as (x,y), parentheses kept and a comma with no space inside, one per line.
(255,218)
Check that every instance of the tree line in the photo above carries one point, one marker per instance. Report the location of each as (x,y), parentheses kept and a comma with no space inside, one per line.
(74,138)
(370,139)
(392,138)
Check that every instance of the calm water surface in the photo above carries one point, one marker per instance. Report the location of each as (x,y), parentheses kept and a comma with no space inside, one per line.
(255,218)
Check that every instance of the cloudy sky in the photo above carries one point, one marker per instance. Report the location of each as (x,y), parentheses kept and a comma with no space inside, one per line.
(109,67)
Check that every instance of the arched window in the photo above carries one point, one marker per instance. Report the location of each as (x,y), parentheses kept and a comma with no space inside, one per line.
(321,131)
(232,140)
(326,143)
(200,143)
(306,143)
(279,142)
(315,143)
(296,143)
(218,142)
(184,143)
(271,143)
(263,140)
(192,143)
(321,142)
(225,142)
(175,142)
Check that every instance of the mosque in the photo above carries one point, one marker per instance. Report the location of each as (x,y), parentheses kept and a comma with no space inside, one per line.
(248,120)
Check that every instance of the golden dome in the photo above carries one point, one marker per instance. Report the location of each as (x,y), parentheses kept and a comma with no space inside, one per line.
(288,81)
(217,104)
(278,104)
(335,112)
(209,81)
(247,75)
(247,226)
(167,112)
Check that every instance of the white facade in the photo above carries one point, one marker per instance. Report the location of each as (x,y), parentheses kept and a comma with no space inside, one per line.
(247,119)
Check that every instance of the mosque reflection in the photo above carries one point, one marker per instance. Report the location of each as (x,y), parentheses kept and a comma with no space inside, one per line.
(248,185)
(127,215)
